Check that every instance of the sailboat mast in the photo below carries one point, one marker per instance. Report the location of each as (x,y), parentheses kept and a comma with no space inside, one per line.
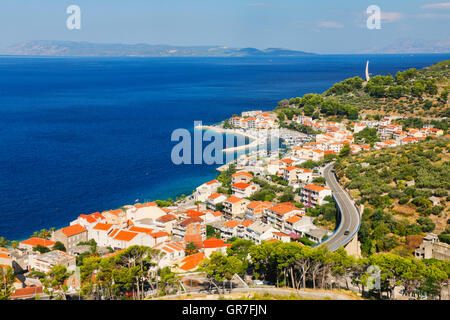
(367,71)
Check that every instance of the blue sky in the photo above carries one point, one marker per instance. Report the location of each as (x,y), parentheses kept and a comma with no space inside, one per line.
(323,26)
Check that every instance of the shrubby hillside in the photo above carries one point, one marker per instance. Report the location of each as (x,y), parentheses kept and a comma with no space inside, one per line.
(411,92)
(405,192)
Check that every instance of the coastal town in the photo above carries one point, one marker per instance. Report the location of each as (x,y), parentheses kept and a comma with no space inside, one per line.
(235,205)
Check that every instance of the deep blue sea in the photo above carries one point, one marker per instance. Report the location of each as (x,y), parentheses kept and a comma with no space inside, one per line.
(79,135)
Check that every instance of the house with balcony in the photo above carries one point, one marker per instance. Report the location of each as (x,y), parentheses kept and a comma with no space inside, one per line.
(244,190)
(313,195)
(255,209)
(235,207)
(205,190)
(277,215)
(241,176)
(214,199)
(259,231)
(70,236)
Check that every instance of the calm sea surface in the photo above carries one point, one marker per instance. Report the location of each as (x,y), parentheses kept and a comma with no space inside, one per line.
(79,135)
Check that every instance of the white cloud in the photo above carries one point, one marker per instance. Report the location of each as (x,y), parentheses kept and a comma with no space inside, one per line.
(330,24)
(391,16)
(441,5)
(433,16)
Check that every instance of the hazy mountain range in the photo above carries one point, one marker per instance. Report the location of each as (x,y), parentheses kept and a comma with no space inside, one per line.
(70,48)
(407,45)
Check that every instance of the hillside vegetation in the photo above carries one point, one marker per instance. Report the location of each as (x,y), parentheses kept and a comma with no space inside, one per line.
(405,192)
(411,92)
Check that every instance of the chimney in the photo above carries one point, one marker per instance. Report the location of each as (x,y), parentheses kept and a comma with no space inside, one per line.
(198,207)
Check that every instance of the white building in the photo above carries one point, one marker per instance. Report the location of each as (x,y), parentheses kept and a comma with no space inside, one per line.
(313,195)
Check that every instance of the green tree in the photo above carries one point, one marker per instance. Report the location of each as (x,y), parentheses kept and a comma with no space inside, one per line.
(54,282)
(59,246)
(221,268)
(41,249)
(6,282)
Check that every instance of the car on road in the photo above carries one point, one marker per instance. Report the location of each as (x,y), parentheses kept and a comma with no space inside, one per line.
(346,233)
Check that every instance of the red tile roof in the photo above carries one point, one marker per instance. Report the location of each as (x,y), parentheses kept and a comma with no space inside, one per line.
(215,195)
(191,220)
(166,218)
(231,224)
(93,217)
(191,262)
(242,173)
(233,199)
(125,236)
(213,243)
(25,293)
(241,185)
(73,230)
(102,226)
(314,187)
(141,230)
(283,208)
(160,234)
(145,205)
(38,241)
(246,223)
(194,213)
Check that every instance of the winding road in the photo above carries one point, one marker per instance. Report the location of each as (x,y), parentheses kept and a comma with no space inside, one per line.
(350,216)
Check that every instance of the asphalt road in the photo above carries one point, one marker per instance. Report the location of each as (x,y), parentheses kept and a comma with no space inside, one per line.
(350,219)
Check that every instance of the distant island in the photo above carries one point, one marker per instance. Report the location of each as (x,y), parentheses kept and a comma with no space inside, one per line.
(89,49)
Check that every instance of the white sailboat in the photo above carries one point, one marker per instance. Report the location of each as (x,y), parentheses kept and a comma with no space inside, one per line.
(367,71)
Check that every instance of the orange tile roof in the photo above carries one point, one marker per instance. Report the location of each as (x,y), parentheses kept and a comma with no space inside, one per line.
(4,255)
(197,239)
(233,199)
(192,261)
(242,173)
(246,223)
(141,230)
(125,236)
(254,204)
(194,213)
(160,234)
(293,219)
(217,213)
(38,241)
(283,208)
(191,220)
(241,185)
(280,234)
(213,243)
(73,230)
(212,182)
(231,224)
(145,205)
(314,187)
(287,161)
(215,195)
(27,292)
(93,217)
(166,218)
(113,233)
(102,226)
